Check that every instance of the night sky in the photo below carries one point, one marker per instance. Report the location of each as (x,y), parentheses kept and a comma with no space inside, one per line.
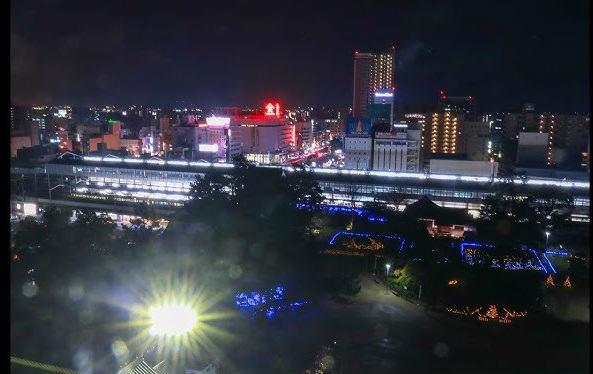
(240,53)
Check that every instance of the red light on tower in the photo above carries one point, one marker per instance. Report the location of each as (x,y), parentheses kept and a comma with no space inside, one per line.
(393,47)
(356,52)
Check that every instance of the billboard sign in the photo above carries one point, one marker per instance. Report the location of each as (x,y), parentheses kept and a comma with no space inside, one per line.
(272,109)
(358,125)
(218,121)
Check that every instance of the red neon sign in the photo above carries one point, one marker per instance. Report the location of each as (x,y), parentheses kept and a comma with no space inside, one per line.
(272,109)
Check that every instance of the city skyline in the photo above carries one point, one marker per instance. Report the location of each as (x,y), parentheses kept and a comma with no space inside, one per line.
(154,59)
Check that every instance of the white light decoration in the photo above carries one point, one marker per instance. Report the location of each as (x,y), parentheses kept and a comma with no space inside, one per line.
(218,121)
(30,209)
(134,160)
(177,162)
(386,174)
(199,163)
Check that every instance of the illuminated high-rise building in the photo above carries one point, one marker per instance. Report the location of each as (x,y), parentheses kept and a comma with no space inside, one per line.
(443,133)
(372,72)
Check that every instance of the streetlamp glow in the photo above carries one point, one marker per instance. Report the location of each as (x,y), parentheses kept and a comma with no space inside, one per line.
(172,319)
(547,237)
(387,266)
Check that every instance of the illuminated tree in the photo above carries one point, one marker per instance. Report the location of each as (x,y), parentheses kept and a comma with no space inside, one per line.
(567,282)
(492,312)
(550,281)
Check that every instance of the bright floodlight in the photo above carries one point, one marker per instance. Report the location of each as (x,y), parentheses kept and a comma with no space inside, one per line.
(387,266)
(172,319)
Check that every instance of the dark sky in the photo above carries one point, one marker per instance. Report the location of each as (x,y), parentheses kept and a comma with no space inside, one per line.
(240,53)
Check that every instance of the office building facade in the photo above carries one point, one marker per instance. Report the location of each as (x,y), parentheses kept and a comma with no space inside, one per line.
(393,151)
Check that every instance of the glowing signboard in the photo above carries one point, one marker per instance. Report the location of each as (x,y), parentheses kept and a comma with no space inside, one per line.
(212,148)
(272,109)
(383,94)
(218,121)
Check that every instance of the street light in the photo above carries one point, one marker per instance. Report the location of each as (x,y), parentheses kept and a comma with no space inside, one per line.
(547,237)
(387,266)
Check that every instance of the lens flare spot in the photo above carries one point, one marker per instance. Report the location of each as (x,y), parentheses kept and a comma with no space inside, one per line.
(172,320)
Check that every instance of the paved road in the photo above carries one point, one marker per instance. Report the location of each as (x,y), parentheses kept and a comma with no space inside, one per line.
(379,332)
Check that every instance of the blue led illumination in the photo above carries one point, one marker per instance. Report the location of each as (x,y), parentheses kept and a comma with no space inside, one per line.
(268,303)
(472,244)
(558,253)
(550,263)
(363,213)
(507,265)
(538,259)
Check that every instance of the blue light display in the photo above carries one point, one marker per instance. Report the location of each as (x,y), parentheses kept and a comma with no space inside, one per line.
(363,213)
(538,259)
(269,303)
(508,265)
(549,263)
(558,253)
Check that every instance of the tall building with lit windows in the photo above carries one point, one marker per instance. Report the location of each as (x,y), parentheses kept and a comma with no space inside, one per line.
(567,140)
(372,72)
(443,134)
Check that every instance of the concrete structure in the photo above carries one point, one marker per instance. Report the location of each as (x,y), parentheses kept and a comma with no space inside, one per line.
(18,142)
(108,141)
(304,134)
(463,167)
(372,71)
(132,146)
(167,183)
(533,149)
(357,152)
(477,140)
(568,135)
(394,152)
(150,140)
(262,135)
(495,123)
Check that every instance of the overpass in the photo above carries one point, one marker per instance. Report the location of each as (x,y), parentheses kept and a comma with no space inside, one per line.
(166,183)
